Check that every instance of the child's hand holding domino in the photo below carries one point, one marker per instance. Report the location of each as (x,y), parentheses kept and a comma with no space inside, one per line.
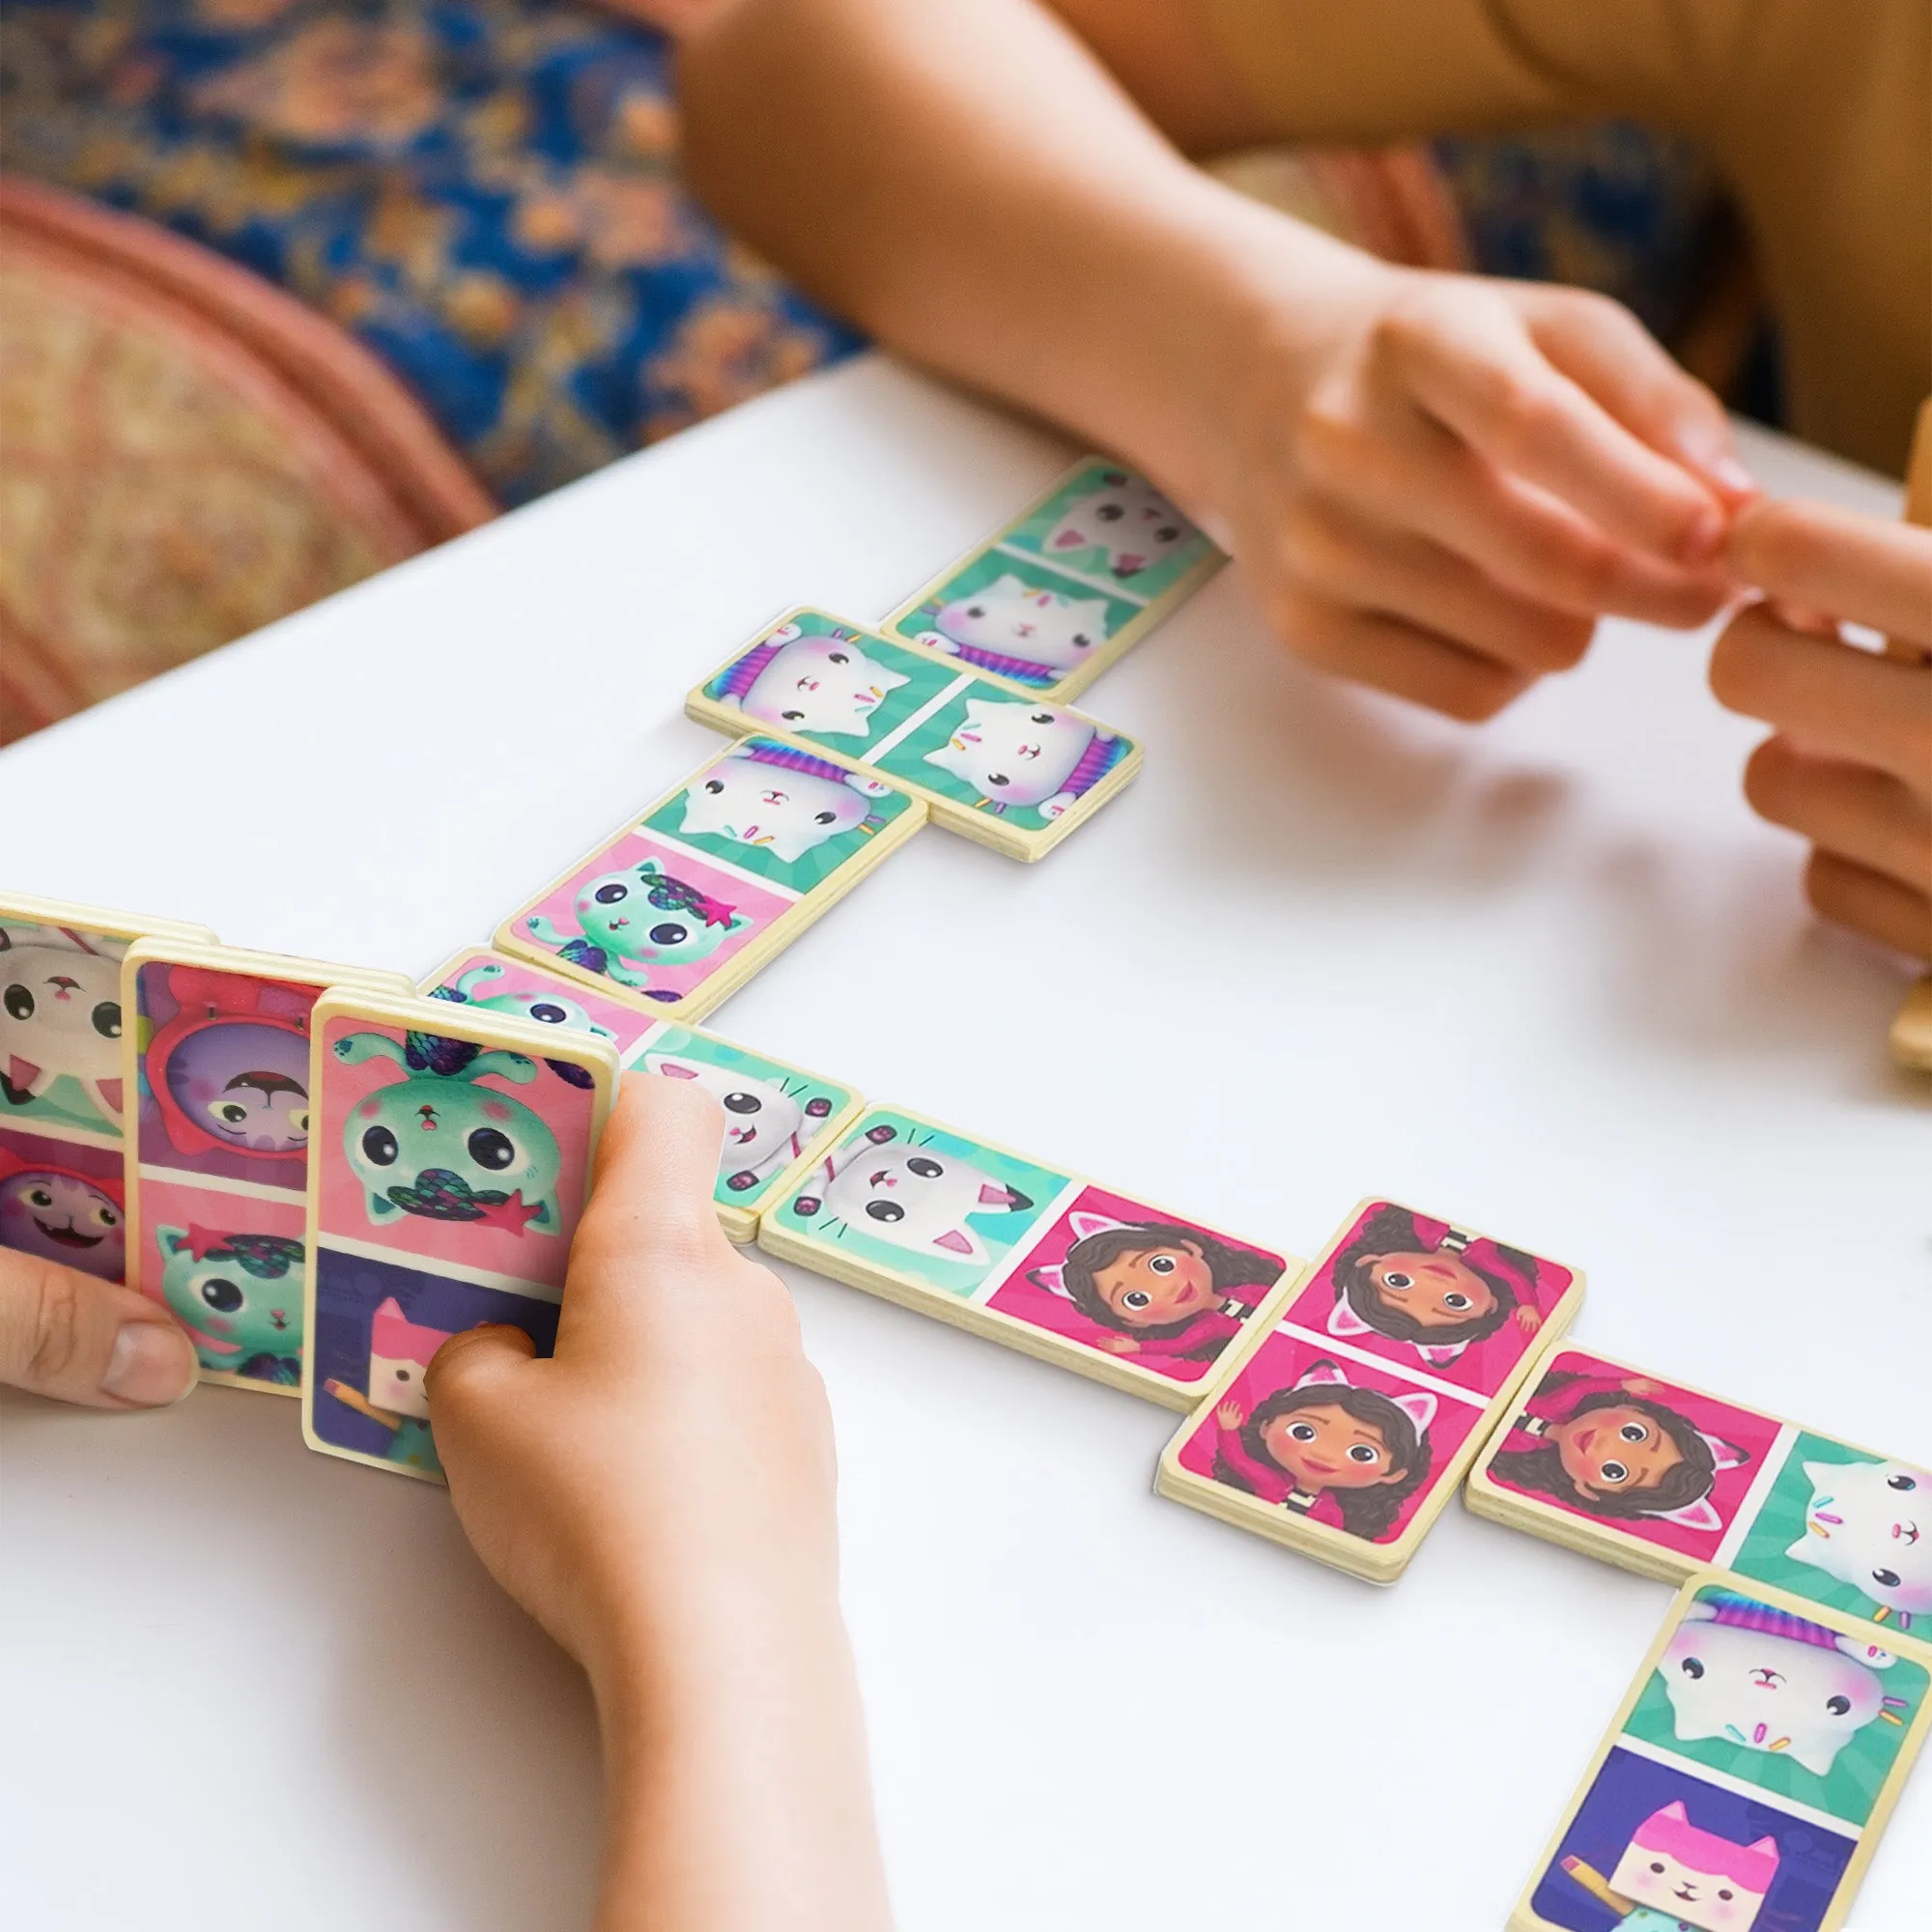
(660,1495)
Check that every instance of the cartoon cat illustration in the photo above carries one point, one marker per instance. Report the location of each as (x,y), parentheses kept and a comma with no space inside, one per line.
(1675,1877)
(763,1123)
(240,1296)
(779,800)
(825,683)
(1016,755)
(62,1217)
(1771,1681)
(1126,520)
(1870,1525)
(486,986)
(60,1013)
(919,1197)
(637,920)
(437,1145)
(1013,628)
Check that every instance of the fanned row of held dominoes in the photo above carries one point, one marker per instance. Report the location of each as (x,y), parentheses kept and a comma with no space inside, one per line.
(326,1171)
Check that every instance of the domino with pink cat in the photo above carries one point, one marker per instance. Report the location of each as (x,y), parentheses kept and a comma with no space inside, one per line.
(683,903)
(1036,1258)
(62,1100)
(450,1158)
(991,760)
(1343,1420)
(1664,1479)
(1747,1779)
(215,1050)
(1061,592)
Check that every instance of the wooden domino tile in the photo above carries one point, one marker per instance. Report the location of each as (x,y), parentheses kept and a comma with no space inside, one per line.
(1343,1421)
(452,1153)
(1663,1479)
(1037,1258)
(681,905)
(1747,1779)
(215,1061)
(991,761)
(1065,588)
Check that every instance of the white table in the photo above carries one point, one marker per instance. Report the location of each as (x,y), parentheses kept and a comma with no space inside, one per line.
(1549,977)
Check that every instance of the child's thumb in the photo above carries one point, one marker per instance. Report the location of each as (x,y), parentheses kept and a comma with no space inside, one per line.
(651,1217)
(67,1335)
(470,1366)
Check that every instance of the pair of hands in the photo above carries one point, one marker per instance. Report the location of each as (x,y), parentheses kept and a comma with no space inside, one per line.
(1439,482)
(659,1495)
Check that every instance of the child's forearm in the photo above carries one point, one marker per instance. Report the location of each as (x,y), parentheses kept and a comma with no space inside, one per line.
(969,184)
(737,1797)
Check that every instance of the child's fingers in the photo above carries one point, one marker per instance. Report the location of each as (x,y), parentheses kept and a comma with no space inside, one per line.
(652,1212)
(1871,903)
(1864,568)
(1600,345)
(1476,370)
(1833,697)
(1352,563)
(1397,656)
(1849,811)
(1413,474)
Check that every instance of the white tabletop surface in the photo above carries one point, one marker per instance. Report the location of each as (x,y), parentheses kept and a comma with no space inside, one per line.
(1548,977)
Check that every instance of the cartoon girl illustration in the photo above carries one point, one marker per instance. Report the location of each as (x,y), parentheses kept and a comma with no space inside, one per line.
(1344,1456)
(1157,1290)
(230,1069)
(1395,1279)
(1604,1445)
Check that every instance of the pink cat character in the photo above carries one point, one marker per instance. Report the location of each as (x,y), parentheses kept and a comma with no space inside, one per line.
(1168,1297)
(1344,1456)
(1673,1875)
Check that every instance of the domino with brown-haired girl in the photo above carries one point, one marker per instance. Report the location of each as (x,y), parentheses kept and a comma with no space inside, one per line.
(1343,1419)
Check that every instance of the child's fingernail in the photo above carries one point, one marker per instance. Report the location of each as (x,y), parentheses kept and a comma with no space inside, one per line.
(151,1363)
(1732,474)
(1705,535)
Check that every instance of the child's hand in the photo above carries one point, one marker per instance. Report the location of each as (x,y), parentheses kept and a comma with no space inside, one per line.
(1228,1416)
(1438,483)
(1119,1345)
(1529,1320)
(1850,766)
(67,1335)
(660,1497)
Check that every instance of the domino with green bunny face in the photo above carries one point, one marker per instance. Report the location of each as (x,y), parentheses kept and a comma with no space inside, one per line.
(450,1153)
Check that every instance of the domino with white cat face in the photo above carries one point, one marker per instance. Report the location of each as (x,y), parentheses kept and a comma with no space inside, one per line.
(61,1015)
(1059,593)
(682,905)
(778,1118)
(1746,1779)
(1659,1477)
(1110,1285)
(65,1104)
(989,761)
